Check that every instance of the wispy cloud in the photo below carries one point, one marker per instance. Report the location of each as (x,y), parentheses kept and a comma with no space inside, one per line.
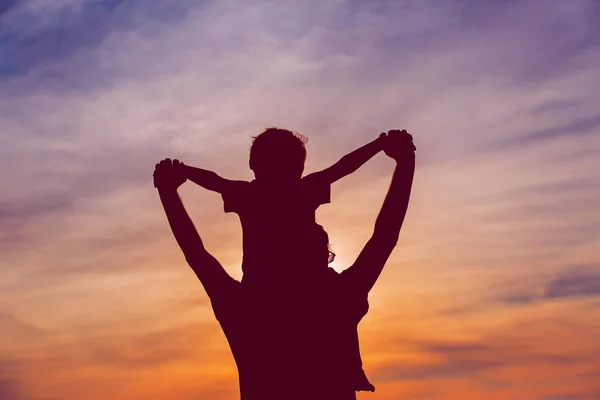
(574,284)
(503,363)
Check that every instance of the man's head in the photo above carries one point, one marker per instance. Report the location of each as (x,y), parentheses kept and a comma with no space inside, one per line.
(316,253)
(278,154)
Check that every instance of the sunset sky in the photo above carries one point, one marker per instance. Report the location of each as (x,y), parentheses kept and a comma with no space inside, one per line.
(494,289)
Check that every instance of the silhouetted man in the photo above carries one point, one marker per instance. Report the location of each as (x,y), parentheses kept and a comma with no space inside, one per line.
(290,343)
(277,211)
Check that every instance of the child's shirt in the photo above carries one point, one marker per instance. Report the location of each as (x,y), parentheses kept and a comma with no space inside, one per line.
(274,219)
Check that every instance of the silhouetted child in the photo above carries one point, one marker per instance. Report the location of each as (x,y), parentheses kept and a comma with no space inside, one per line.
(277,207)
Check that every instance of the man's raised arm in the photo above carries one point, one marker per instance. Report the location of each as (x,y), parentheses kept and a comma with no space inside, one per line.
(207,268)
(370,262)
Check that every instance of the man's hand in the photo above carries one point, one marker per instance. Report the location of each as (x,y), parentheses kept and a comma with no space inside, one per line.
(399,145)
(169,174)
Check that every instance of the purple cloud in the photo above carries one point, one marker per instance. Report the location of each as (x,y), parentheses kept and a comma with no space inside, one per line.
(474,359)
(574,283)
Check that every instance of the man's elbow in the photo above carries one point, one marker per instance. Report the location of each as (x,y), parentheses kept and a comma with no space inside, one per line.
(195,258)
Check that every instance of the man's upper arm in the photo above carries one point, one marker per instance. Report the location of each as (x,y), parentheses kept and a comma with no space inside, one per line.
(211,273)
(365,271)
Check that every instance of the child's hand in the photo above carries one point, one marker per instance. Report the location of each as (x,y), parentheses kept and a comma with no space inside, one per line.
(168,174)
(381,140)
(399,145)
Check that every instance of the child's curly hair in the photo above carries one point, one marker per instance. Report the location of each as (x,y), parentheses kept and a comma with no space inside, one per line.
(278,152)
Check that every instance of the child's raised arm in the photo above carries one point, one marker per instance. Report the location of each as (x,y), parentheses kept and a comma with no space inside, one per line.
(351,161)
(207,179)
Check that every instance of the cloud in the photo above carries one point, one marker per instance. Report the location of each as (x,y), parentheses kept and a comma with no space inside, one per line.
(474,359)
(6,5)
(581,283)
(15,328)
(8,390)
(10,385)
(38,34)
(504,360)
(574,283)
(148,350)
(584,126)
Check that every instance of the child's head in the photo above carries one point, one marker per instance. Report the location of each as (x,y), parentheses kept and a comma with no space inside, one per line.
(278,154)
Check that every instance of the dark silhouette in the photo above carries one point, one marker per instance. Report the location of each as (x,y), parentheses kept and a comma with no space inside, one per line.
(295,335)
(277,213)
(277,209)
